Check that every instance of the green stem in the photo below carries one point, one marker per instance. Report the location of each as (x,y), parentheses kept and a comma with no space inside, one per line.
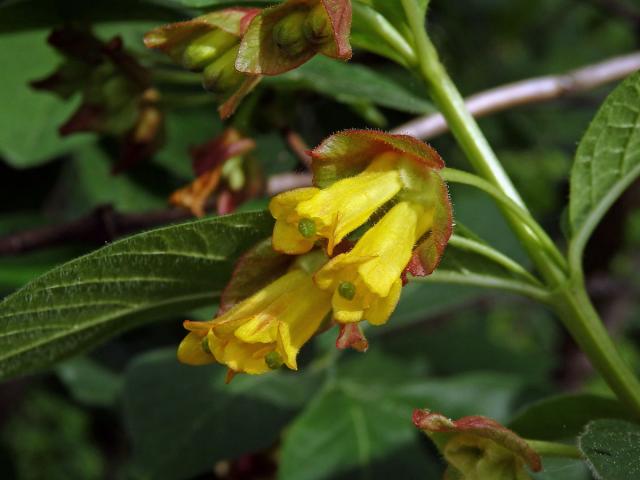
(380,25)
(573,306)
(465,178)
(493,255)
(570,299)
(486,281)
(553,449)
(179,77)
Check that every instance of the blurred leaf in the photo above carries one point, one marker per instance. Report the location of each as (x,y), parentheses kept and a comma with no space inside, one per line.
(50,438)
(421,301)
(214,3)
(362,418)
(273,154)
(30,119)
(88,183)
(145,277)
(352,84)
(186,128)
(562,468)
(611,448)
(503,337)
(607,162)
(202,419)
(89,382)
(564,416)
(31,14)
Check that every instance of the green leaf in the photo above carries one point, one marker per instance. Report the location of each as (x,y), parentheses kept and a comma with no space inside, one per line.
(204,420)
(89,382)
(611,449)
(30,119)
(145,277)
(564,416)
(352,84)
(89,184)
(360,424)
(607,162)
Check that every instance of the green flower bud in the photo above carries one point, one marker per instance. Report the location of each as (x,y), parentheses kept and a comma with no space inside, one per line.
(317,26)
(206,48)
(288,33)
(273,360)
(205,345)
(307,227)
(221,76)
(233,173)
(347,290)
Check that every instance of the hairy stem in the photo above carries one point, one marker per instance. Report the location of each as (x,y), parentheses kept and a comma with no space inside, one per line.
(553,449)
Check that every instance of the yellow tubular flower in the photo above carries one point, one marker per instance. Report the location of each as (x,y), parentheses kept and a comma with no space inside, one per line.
(365,282)
(308,214)
(262,332)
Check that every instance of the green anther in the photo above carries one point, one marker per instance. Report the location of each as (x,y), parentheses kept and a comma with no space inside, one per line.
(273,360)
(206,48)
(221,76)
(288,33)
(317,26)
(347,290)
(205,345)
(307,227)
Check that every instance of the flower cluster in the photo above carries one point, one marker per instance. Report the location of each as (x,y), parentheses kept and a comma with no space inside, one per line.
(234,47)
(117,97)
(378,210)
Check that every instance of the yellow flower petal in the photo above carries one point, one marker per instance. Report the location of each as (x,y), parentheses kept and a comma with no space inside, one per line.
(287,239)
(383,307)
(371,271)
(275,321)
(285,203)
(191,351)
(349,203)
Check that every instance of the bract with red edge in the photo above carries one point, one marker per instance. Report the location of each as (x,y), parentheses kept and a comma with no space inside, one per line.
(475,445)
(260,55)
(208,160)
(168,37)
(173,38)
(429,251)
(349,152)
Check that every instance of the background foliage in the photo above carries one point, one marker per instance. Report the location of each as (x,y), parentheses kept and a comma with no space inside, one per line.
(128,410)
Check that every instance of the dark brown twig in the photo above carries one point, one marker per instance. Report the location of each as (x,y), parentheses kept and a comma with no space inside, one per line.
(104,224)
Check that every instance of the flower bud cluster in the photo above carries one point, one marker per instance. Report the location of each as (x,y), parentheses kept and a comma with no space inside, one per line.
(232,48)
(117,97)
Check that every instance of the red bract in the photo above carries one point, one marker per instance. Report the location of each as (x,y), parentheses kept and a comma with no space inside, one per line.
(117,96)
(285,36)
(352,336)
(489,439)
(208,161)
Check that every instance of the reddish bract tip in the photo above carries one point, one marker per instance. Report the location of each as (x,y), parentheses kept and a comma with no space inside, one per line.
(351,336)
